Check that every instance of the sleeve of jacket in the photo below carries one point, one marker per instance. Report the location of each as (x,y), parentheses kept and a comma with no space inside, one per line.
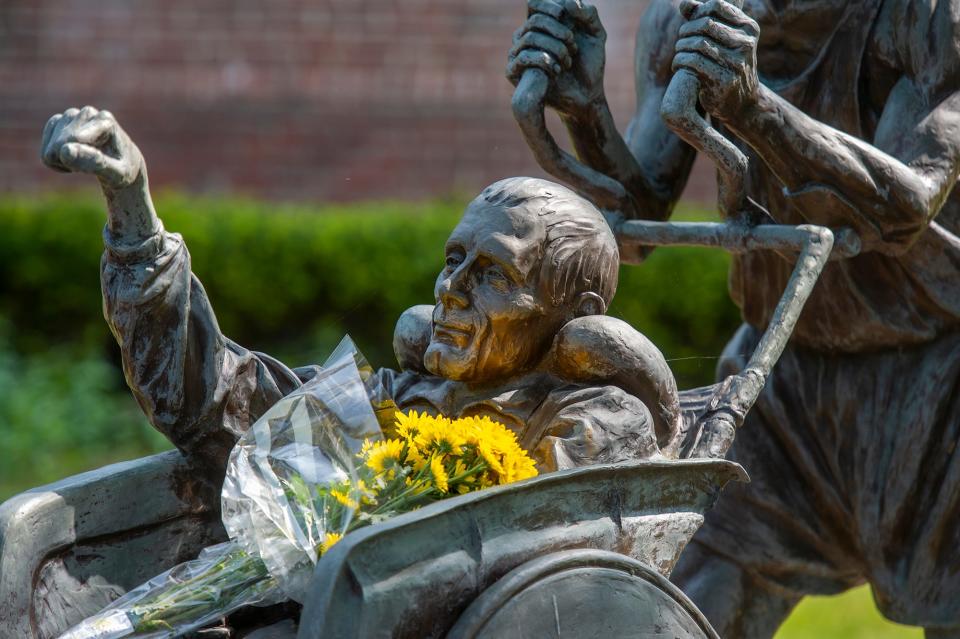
(197,387)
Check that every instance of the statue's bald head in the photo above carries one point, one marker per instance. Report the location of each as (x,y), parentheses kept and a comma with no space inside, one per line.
(579,251)
(527,257)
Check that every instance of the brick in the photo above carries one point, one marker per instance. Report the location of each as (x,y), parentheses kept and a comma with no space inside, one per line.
(291,99)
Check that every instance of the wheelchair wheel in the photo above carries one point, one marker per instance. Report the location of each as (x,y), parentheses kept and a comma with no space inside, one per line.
(577,594)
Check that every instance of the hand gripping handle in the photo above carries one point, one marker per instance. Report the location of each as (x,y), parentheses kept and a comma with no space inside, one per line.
(528,109)
(679,112)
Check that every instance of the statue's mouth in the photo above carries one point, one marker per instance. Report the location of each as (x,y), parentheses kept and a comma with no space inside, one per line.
(457,335)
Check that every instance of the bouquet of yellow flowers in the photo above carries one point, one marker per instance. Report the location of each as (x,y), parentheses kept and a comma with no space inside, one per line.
(331,457)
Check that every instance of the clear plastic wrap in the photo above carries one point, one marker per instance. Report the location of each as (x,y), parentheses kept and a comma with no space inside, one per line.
(190,595)
(277,507)
(291,485)
(314,467)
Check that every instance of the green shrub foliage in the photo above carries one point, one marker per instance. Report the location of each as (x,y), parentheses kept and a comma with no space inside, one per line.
(61,412)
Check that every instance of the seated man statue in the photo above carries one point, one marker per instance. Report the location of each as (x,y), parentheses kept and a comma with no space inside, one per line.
(517,332)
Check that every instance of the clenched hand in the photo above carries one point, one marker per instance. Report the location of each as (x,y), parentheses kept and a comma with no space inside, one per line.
(718,44)
(88,140)
(563,38)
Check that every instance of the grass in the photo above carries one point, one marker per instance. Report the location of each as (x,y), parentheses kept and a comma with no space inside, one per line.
(851,615)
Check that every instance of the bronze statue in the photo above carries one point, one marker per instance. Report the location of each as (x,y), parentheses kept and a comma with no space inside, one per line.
(845,114)
(530,270)
(517,332)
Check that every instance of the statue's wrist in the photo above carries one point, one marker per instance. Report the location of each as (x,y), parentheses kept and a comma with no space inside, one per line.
(131,217)
(755,115)
(589,113)
(127,192)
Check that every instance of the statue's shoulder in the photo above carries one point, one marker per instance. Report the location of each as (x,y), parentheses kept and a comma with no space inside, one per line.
(582,424)
(594,402)
(602,352)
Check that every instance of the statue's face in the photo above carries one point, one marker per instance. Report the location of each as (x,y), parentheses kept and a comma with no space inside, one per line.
(493,318)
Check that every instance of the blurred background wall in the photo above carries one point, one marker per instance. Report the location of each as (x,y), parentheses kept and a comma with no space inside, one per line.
(333,100)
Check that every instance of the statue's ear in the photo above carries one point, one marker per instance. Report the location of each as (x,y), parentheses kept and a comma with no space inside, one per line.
(589,304)
(411,336)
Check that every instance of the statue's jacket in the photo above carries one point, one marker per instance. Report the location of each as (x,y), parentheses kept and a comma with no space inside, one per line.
(203,390)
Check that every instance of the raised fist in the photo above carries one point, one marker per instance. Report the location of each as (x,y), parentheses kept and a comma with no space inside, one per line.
(563,38)
(90,141)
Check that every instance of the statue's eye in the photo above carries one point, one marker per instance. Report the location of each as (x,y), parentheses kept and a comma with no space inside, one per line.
(453,261)
(497,277)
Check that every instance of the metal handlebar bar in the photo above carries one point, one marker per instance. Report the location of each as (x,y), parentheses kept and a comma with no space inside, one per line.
(815,245)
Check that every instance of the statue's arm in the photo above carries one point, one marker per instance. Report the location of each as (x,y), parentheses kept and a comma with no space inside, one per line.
(889,188)
(195,385)
(566,40)
(89,140)
(664,159)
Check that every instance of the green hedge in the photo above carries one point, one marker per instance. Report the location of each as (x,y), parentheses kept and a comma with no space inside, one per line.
(291,280)
(61,413)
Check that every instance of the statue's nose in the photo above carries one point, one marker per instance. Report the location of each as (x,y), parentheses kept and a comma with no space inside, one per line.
(452,298)
(453,290)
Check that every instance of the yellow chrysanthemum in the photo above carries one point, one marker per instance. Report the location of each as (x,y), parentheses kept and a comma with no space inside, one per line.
(438,435)
(344,498)
(490,456)
(501,452)
(440,478)
(384,455)
(405,424)
(422,440)
(415,457)
(424,458)
(329,540)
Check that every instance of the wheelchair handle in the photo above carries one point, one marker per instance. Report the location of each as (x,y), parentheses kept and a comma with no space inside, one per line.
(678,109)
(528,105)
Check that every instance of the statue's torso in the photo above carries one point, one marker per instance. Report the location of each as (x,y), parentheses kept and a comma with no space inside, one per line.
(792,34)
(562,424)
(836,60)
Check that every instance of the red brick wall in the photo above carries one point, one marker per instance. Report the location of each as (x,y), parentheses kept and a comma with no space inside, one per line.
(290,99)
